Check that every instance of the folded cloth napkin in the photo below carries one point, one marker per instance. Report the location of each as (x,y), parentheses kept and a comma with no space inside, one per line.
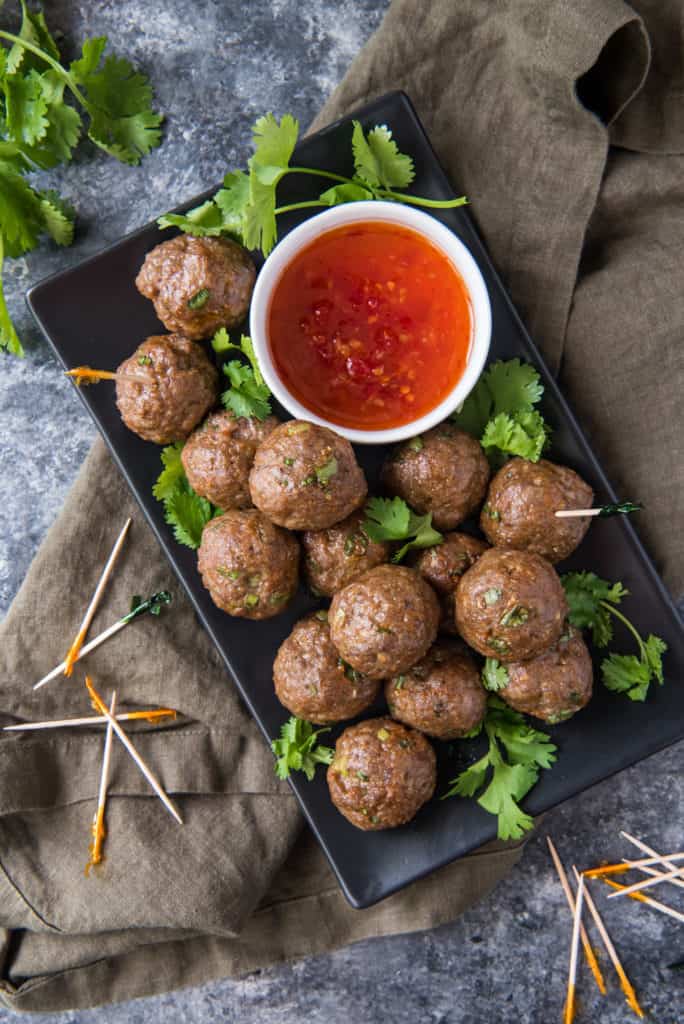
(562,123)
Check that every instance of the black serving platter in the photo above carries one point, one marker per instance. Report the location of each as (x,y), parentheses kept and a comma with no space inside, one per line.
(93,314)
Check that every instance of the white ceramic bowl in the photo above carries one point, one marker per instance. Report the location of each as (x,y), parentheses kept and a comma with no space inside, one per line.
(388,213)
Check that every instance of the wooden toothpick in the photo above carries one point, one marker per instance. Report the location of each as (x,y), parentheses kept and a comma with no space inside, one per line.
(144,768)
(86,375)
(569,1014)
(152,715)
(621,509)
(647,883)
(625,983)
(666,861)
(628,865)
(153,605)
(75,649)
(648,900)
(589,953)
(98,826)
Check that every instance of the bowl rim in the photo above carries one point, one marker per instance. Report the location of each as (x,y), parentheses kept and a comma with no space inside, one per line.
(423,224)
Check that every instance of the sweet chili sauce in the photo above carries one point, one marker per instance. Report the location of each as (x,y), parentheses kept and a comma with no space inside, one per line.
(370,325)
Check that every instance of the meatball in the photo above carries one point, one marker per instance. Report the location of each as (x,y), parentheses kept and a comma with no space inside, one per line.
(383,622)
(382,774)
(522,499)
(340,554)
(444,472)
(305,477)
(248,565)
(311,679)
(510,605)
(441,695)
(165,388)
(554,685)
(198,284)
(444,564)
(218,456)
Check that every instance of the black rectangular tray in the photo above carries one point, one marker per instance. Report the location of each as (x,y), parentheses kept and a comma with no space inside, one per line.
(93,314)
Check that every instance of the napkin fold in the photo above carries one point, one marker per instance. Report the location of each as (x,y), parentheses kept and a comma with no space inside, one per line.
(563,122)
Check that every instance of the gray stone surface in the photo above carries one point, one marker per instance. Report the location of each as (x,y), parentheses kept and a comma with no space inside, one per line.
(215,66)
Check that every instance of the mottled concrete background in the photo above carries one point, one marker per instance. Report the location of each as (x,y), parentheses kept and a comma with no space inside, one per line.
(215,66)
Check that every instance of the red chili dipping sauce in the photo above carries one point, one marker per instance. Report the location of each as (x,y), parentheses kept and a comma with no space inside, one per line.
(369,326)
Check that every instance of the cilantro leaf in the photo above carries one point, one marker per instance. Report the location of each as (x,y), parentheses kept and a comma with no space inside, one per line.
(63,125)
(184,510)
(58,217)
(391,519)
(232,201)
(494,675)
(377,161)
(350,193)
(274,143)
(21,220)
(248,394)
(9,340)
(521,433)
(245,398)
(173,475)
(119,103)
(25,107)
(34,30)
(188,514)
(514,385)
(202,220)
(500,411)
(588,597)
(515,755)
(387,519)
(592,602)
(297,749)
(259,223)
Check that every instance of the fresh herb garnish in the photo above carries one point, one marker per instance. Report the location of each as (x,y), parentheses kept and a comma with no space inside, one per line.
(494,675)
(39,130)
(392,519)
(416,444)
(199,299)
(515,755)
(245,208)
(356,543)
(592,601)
(248,395)
(500,412)
(144,360)
(184,510)
(492,595)
(297,749)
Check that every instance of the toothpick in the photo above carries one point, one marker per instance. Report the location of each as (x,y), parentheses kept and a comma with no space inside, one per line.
(666,861)
(142,765)
(586,944)
(574,949)
(621,509)
(156,600)
(656,904)
(646,883)
(73,652)
(61,723)
(625,983)
(98,827)
(86,375)
(627,865)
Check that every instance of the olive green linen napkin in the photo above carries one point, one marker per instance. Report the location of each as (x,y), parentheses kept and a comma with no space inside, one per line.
(563,122)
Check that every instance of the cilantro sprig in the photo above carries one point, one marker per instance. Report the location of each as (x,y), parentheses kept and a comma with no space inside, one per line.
(500,412)
(508,770)
(248,394)
(592,602)
(245,208)
(39,130)
(297,749)
(184,510)
(391,519)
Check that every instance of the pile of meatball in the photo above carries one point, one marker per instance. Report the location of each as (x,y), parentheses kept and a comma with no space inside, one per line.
(293,493)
